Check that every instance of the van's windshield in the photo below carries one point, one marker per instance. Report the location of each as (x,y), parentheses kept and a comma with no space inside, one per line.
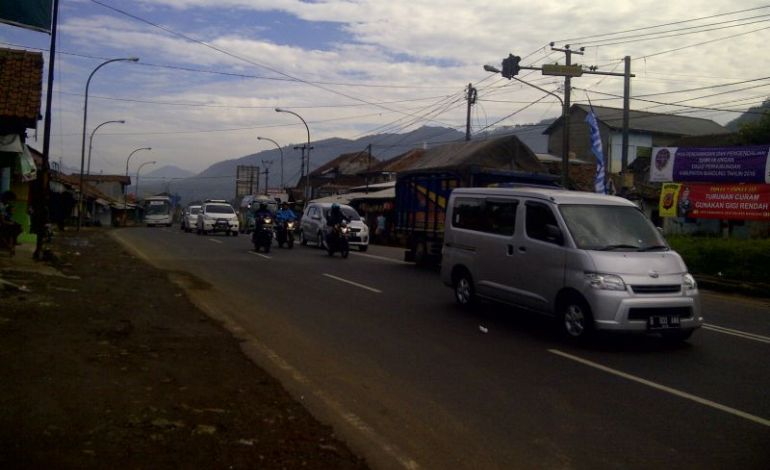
(611,228)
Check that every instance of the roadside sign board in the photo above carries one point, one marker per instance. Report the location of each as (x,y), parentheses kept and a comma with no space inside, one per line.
(747,164)
(562,70)
(715,201)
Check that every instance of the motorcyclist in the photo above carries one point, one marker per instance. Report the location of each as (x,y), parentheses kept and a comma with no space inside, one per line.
(284,214)
(261,213)
(335,216)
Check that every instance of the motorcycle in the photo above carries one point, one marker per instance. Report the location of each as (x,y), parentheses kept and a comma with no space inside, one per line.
(284,233)
(262,236)
(337,240)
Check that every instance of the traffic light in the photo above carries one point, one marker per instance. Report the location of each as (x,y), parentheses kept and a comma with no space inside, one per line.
(511,66)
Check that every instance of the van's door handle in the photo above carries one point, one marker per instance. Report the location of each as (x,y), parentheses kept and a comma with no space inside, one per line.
(510,250)
(522,249)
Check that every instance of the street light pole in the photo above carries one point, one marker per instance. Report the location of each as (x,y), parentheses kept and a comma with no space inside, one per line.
(85,121)
(308,189)
(91,142)
(565,141)
(125,193)
(137,176)
(280,150)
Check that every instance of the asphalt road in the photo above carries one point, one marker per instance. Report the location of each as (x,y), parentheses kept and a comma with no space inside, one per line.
(378,349)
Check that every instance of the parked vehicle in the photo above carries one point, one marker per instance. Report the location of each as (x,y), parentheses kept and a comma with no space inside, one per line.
(595,262)
(262,236)
(216,215)
(284,233)
(337,240)
(421,198)
(313,225)
(157,211)
(190,218)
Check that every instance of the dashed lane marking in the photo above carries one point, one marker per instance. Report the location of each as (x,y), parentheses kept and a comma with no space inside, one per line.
(738,333)
(371,289)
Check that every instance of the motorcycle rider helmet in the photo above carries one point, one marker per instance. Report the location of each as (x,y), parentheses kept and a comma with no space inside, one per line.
(335,206)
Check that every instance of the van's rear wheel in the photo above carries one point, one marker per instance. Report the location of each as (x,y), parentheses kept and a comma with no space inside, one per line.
(465,293)
(575,319)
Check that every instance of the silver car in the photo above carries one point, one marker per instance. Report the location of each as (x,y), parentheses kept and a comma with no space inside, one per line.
(595,262)
(313,225)
(190,218)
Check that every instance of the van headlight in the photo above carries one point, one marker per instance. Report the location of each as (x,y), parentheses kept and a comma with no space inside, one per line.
(605,281)
(689,283)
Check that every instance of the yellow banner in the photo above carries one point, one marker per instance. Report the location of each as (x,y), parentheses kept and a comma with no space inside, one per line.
(669,199)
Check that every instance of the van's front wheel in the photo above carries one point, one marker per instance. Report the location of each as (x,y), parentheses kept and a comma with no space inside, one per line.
(575,319)
(465,293)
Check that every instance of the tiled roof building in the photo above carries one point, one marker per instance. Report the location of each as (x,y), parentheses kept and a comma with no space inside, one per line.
(21,83)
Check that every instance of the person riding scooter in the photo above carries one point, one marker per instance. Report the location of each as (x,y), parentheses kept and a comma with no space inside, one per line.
(263,231)
(336,231)
(285,221)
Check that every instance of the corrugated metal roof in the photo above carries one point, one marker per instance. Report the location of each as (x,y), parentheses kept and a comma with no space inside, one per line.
(642,121)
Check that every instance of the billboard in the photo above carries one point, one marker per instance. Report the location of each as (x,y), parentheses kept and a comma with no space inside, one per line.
(29,14)
(749,164)
(715,201)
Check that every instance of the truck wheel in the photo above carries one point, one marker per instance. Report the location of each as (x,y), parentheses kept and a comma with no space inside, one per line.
(575,319)
(465,293)
(420,250)
(235,233)
(363,248)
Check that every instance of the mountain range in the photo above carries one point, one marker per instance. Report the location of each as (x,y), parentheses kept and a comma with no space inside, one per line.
(218,180)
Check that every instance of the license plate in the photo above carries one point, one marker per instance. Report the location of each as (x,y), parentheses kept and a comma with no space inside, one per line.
(663,322)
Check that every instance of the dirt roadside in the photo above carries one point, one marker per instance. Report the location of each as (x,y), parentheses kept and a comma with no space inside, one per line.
(104,363)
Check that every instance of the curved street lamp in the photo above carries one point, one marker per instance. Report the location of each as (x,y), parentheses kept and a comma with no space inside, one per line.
(137,176)
(91,142)
(85,120)
(125,194)
(308,189)
(565,132)
(280,150)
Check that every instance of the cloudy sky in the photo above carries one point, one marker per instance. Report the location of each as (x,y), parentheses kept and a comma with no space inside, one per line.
(211,72)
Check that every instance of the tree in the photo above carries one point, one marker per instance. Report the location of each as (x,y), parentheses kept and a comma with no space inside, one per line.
(756,132)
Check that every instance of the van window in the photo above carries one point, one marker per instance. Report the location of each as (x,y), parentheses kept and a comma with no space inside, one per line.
(468,214)
(538,216)
(605,227)
(497,217)
(501,217)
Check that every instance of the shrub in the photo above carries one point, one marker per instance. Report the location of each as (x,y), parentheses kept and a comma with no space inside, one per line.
(738,260)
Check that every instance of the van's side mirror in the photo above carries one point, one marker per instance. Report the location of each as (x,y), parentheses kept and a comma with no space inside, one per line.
(553,234)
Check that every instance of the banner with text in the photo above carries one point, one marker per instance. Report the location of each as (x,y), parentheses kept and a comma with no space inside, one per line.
(716,201)
(29,14)
(748,164)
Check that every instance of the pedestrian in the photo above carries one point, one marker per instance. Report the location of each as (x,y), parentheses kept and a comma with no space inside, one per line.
(380,230)
(9,228)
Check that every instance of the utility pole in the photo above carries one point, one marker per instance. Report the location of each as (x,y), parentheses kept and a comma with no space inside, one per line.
(567,94)
(302,163)
(626,98)
(267,164)
(368,165)
(471,97)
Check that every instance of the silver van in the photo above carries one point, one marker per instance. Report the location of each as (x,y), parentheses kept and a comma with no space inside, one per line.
(595,262)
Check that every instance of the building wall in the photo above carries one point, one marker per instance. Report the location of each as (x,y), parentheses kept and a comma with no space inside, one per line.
(615,149)
(112,189)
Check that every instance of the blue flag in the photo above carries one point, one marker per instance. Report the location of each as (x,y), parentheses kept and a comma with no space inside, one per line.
(600,185)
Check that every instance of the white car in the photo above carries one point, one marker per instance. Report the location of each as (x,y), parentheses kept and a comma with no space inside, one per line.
(217,216)
(190,218)
(313,225)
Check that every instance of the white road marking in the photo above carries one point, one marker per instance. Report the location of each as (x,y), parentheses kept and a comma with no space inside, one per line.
(383,258)
(260,255)
(372,289)
(688,396)
(738,333)
(215,241)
